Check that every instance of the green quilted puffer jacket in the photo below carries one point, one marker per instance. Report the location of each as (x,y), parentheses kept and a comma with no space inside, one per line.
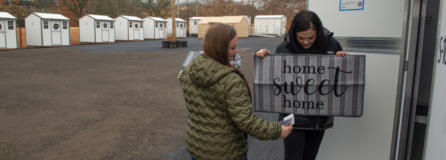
(220,112)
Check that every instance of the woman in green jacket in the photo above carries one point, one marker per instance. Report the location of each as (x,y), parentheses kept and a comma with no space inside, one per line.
(218,102)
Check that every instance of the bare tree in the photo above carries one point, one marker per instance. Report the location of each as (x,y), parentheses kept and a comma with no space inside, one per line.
(40,5)
(158,8)
(114,8)
(76,7)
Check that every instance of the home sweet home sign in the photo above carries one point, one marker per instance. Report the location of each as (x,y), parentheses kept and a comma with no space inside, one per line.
(312,85)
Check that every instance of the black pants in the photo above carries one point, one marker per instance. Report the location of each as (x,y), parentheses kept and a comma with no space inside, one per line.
(303,145)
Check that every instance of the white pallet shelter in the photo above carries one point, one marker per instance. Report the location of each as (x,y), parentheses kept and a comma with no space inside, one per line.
(269,24)
(193,26)
(96,29)
(128,28)
(8,32)
(180,29)
(155,28)
(47,29)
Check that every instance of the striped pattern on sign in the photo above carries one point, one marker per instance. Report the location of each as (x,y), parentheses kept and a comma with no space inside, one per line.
(315,85)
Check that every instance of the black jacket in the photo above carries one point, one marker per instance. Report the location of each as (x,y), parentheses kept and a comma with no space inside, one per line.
(330,45)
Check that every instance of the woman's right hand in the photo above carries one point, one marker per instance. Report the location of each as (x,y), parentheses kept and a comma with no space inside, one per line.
(286,130)
(262,53)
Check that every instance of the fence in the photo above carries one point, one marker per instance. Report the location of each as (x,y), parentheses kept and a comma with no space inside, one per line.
(74,36)
(21,38)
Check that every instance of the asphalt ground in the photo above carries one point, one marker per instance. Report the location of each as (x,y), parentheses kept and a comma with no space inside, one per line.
(110,101)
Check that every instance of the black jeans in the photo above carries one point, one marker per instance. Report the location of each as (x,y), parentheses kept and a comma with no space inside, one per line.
(303,145)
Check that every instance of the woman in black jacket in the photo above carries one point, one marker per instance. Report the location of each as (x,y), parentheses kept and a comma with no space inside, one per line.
(306,36)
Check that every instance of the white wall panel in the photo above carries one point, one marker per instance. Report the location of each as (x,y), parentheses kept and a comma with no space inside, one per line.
(380,18)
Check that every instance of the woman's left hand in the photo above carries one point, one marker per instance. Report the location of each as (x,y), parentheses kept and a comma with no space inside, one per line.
(341,53)
(262,53)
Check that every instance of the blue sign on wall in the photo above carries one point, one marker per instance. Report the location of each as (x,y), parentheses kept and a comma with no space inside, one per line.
(351,5)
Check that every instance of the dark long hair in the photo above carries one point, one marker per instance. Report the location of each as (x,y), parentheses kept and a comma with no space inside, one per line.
(216,42)
(303,21)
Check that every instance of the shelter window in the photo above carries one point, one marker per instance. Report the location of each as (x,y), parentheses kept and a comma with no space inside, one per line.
(10,25)
(181,25)
(161,25)
(45,24)
(105,25)
(98,25)
(136,25)
(64,25)
(156,24)
(131,25)
(0,27)
(195,22)
(111,25)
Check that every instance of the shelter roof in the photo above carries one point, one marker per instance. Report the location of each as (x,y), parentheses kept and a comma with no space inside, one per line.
(157,19)
(177,19)
(132,18)
(55,16)
(196,18)
(101,17)
(6,15)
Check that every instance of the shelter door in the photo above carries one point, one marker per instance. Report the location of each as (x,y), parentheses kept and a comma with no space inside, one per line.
(131,30)
(136,29)
(271,25)
(2,34)
(156,31)
(98,31)
(276,27)
(162,30)
(263,26)
(56,35)
(160,33)
(105,31)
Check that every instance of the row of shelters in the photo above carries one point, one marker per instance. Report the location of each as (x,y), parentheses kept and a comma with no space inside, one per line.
(49,29)
(99,28)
